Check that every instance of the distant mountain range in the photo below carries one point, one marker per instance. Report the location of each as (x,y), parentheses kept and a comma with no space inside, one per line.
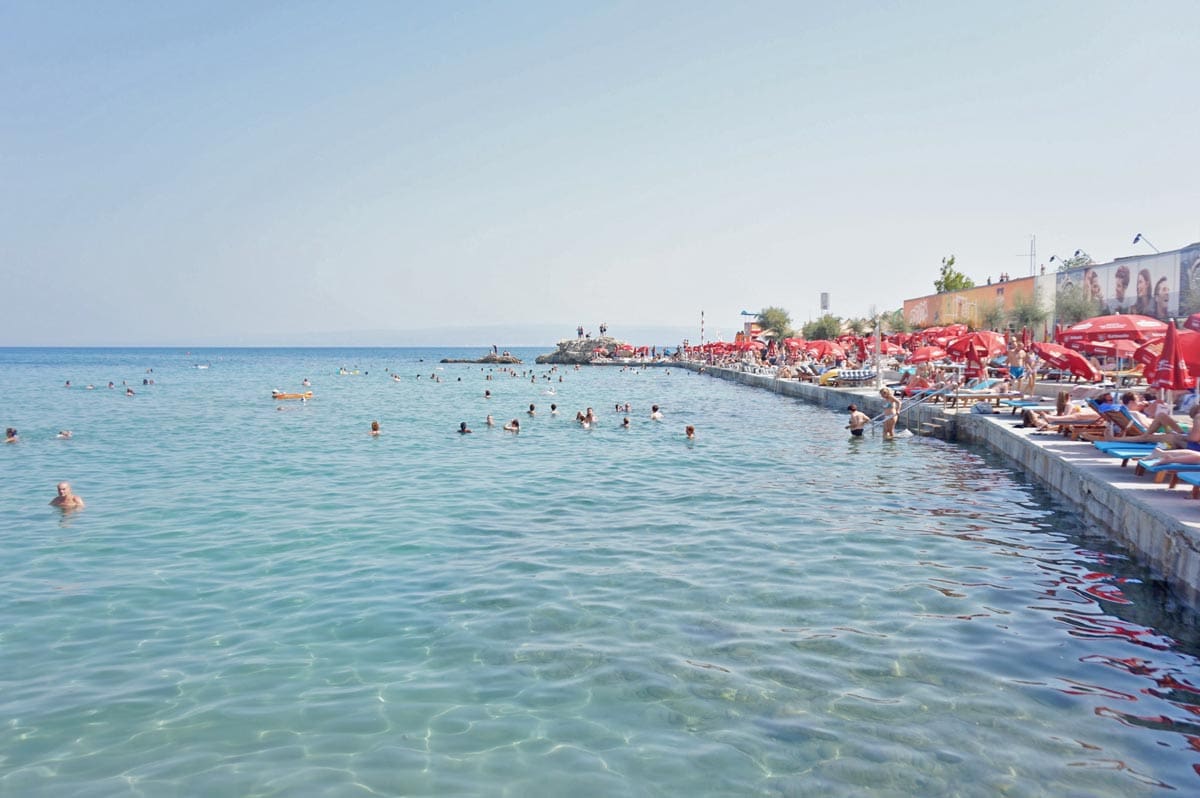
(501,335)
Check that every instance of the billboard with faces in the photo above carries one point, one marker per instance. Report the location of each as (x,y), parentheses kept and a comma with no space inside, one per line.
(1146,285)
(1189,280)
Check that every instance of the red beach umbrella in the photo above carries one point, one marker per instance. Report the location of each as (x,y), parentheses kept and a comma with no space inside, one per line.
(1113,328)
(823,348)
(1060,357)
(1123,348)
(1187,345)
(1193,322)
(979,346)
(1171,373)
(926,354)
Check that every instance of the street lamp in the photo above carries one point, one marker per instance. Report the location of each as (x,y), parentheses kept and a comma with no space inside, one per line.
(1144,240)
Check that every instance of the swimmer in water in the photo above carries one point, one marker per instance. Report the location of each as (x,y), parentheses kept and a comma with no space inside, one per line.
(858,421)
(374,428)
(63,433)
(531,410)
(462,428)
(690,432)
(10,435)
(490,421)
(513,426)
(66,499)
(554,410)
(655,413)
(625,422)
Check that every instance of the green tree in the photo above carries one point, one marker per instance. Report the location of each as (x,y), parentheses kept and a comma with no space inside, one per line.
(951,279)
(776,323)
(994,316)
(1028,312)
(1076,261)
(895,321)
(825,328)
(859,326)
(1072,304)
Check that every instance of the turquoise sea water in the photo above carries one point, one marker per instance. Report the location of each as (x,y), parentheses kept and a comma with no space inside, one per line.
(261,599)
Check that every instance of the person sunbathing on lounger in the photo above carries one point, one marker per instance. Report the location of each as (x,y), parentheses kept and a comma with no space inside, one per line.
(1180,456)
(1067,414)
(1174,439)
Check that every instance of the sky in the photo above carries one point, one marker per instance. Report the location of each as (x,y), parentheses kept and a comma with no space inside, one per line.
(403,173)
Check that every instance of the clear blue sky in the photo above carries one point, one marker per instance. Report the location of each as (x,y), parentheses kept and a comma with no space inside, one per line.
(245,173)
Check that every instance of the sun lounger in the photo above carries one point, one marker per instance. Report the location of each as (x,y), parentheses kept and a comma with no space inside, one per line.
(854,376)
(1130,451)
(1169,471)
(1020,404)
(1192,478)
(964,398)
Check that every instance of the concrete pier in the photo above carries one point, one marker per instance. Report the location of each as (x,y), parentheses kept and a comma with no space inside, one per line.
(1161,526)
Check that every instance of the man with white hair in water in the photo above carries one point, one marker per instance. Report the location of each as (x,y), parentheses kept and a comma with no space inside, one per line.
(66,499)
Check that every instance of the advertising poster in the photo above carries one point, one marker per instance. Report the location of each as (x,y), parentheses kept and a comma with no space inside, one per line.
(1146,285)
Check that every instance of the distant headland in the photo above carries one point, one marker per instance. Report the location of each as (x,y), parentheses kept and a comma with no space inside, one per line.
(501,358)
(583,350)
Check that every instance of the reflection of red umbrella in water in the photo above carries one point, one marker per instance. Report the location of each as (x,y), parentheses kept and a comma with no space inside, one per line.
(822,348)
(1060,357)
(926,354)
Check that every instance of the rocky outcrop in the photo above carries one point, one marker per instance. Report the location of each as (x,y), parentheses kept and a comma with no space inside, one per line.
(491,357)
(581,350)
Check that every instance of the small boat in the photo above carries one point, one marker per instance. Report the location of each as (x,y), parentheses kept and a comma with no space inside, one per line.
(282,395)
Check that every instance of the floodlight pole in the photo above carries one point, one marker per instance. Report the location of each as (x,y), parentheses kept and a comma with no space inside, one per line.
(1144,240)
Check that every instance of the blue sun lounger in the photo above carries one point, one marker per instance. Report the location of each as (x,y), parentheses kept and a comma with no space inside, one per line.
(1169,471)
(1125,452)
(1192,478)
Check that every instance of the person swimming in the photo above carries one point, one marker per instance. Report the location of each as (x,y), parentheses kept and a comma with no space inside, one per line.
(66,499)
(374,428)
(462,428)
(513,426)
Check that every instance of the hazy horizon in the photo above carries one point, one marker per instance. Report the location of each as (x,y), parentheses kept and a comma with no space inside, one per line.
(259,172)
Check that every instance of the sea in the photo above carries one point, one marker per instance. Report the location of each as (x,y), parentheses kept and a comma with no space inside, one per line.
(260,598)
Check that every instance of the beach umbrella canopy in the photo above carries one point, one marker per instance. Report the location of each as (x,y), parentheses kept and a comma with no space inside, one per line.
(887,348)
(1060,357)
(1193,322)
(824,348)
(1170,372)
(979,346)
(926,354)
(1123,348)
(1187,345)
(793,343)
(1113,328)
